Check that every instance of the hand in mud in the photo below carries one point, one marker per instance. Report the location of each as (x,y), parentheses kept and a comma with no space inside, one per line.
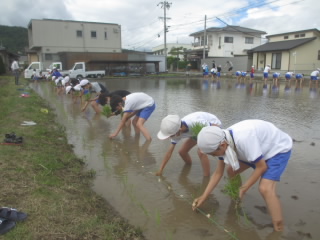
(111,136)
(159,173)
(197,202)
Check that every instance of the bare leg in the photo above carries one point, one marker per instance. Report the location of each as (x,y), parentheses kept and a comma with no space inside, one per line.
(185,148)
(267,189)
(96,107)
(142,129)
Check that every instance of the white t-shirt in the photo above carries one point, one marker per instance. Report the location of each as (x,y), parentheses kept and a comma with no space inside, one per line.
(266,69)
(137,101)
(314,73)
(204,118)
(257,138)
(14,66)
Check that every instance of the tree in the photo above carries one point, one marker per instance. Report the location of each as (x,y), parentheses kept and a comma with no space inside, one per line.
(2,66)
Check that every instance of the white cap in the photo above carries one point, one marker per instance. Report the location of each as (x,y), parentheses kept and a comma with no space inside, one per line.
(68,89)
(169,126)
(209,138)
(67,79)
(84,82)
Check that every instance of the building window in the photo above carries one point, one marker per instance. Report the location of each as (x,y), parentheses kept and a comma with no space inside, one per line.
(79,33)
(93,34)
(302,35)
(276,61)
(296,36)
(318,54)
(105,35)
(285,37)
(249,40)
(48,56)
(228,39)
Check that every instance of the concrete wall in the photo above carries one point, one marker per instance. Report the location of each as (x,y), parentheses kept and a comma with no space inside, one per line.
(53,36)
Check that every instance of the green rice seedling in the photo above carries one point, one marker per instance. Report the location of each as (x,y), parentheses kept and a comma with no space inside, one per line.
(87,97)
(232,187)
(196,128)
(106,110)
(158,217)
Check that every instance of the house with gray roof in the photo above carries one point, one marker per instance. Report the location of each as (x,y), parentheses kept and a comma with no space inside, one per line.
(297,51)
(226,41)
(221,44)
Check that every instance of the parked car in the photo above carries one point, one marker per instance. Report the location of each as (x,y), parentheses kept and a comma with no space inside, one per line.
(80,70)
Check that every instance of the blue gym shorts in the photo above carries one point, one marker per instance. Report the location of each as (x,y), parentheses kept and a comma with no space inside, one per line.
(265,75)
(146,112)
(314,78)
(276,166)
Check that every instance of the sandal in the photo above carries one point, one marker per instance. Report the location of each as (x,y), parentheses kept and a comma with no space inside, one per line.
(6,225)
(12,214)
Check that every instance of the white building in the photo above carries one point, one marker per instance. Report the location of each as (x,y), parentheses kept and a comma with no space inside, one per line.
(48,37)
(226,41)
(159,50)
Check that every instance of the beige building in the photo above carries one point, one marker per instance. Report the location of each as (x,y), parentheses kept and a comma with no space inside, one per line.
(292,51)
(48,38)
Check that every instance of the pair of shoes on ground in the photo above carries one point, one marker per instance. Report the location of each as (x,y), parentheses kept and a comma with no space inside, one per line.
(12,138)
(8,219)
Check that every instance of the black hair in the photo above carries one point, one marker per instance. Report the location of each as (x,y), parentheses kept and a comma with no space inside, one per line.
(114,102)
(102,98)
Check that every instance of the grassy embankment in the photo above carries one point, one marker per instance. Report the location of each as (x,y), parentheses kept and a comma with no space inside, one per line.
(45,179)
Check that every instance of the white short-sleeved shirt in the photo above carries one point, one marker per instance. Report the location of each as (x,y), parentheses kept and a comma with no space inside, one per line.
(96,87)
(137,101)
(314,73)
(266,69)
(204,118)
(77,87)
(14,65)
(256,139)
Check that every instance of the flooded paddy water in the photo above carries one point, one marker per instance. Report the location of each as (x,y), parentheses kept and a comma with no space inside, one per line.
(161,206)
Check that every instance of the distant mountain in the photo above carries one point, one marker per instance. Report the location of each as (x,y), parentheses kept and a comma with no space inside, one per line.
(14,39)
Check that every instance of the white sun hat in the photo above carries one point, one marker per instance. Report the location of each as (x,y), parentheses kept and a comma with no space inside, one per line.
(209,138)
(84,82)
(68,89)
(169,126)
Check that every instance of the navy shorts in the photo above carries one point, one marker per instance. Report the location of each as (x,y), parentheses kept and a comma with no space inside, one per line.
(276,166)
(146,112)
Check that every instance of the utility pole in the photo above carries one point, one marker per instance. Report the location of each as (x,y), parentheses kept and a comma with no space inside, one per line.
(165,5)
(205,37)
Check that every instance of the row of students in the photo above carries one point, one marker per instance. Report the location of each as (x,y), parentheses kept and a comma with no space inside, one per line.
(255,144)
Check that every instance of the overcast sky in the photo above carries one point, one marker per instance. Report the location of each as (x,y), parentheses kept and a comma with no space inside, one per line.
(142,20)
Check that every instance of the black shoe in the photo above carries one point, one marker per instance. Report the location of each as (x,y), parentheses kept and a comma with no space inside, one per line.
(10,135)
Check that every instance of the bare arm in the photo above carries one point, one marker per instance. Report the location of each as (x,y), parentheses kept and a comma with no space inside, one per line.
(261,167)
(125,117)
(214,180)
(166,159)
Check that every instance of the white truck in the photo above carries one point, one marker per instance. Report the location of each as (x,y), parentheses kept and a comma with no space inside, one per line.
(38,66)
(79,70)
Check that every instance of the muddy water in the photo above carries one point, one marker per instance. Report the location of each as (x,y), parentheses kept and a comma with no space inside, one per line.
(161,206)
